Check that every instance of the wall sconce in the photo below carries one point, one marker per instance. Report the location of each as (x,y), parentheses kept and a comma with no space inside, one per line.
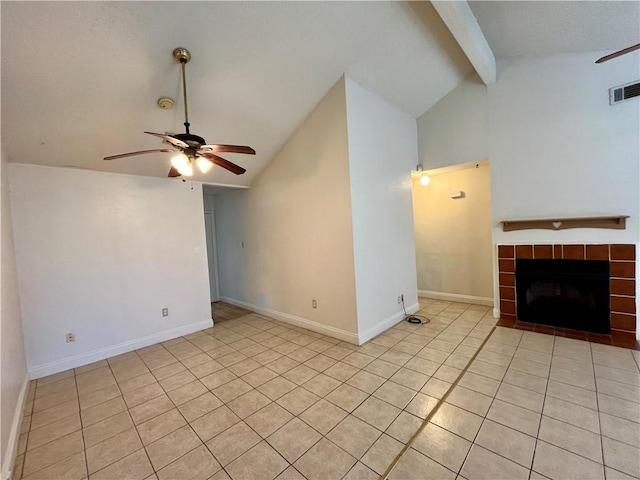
(424,178)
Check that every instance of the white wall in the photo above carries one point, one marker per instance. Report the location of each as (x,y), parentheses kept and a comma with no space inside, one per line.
(559,149)
(453,236)
(556,146)
(100,255)
(455,131)
(288,239)
(382,152)
(13,366)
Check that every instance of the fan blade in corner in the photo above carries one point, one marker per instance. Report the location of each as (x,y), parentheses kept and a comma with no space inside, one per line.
(170,139)
(141,152)
(232,167)
(619,53)
(227,148)
(174,172)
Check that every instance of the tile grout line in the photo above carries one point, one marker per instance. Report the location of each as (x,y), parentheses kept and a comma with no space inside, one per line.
(135,427)
(544,401)
(495,397)
(433,411)
(595,384)
(449,355)
(84,444)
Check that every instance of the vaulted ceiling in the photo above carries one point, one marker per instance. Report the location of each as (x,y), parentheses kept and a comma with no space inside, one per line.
(80,80)
(531,28)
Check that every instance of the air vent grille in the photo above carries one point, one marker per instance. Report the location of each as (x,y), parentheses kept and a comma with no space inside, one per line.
(624,92)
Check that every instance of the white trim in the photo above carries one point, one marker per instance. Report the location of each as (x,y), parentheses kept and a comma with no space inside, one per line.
(14,433)
(456,297)
(496,313)
(124,347)
(298,321)
(385,324)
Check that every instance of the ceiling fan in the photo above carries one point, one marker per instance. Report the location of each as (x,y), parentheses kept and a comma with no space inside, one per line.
(191,148)
(619,53)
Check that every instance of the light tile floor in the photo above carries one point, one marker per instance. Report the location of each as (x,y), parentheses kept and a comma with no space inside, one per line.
(254,398)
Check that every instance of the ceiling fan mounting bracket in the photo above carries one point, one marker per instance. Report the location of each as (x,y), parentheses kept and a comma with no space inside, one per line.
(181,55)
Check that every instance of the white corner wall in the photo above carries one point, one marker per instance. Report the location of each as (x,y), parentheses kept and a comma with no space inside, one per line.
(455,130)
(454,251)
(382,152)
(558,149)
(100,255)
(556,146)
(14,378)
(288,239)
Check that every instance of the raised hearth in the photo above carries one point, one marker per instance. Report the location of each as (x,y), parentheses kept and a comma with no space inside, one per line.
(621,282)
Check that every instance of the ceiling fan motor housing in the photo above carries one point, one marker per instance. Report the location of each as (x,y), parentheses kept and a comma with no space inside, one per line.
(190,139)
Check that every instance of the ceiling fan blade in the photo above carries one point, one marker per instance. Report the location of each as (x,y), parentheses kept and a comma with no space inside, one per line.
(619,53)
(141,152)
(170,139)
(174,172)
(232,167)
(227,148)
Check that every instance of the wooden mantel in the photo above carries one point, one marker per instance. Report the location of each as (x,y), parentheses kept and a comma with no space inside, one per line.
(617,222)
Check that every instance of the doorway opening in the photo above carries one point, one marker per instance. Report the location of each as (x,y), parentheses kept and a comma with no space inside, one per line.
(453,237)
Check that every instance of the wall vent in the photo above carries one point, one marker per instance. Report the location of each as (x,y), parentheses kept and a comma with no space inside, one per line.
(624,92)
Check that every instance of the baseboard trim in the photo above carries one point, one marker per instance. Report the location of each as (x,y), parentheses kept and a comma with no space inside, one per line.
(456,297)
(124,347)
(297,321)
(14,433)
(385,324)
(496,313)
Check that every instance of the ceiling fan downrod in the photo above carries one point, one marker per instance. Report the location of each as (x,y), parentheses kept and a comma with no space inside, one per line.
(183,56)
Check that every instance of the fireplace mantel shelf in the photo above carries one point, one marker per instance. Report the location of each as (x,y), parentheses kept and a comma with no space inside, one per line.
(617,222)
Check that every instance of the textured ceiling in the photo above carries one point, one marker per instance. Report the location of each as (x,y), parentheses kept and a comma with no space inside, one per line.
(80,80)
(524,28)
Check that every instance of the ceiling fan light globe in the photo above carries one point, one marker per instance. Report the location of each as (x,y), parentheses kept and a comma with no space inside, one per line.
(204,164)
(186,170)
(180,161)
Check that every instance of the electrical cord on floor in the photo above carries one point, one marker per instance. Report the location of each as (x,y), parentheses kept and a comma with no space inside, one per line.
(414,319)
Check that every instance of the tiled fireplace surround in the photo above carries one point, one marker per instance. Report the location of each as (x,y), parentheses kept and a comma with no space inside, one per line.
(622,284)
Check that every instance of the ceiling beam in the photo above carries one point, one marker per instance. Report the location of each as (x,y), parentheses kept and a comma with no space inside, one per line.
(462,24)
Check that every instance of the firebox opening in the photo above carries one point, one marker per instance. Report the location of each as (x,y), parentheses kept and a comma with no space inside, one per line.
(564,293)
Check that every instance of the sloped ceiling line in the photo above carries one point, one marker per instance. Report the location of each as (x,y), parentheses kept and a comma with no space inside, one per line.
(462,23)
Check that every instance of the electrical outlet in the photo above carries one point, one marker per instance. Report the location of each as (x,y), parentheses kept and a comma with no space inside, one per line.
(165,312)
(314,304)
(71,337)
(399,299)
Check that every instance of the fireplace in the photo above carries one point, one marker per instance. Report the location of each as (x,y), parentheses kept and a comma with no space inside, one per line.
(563,293)
(620,301)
